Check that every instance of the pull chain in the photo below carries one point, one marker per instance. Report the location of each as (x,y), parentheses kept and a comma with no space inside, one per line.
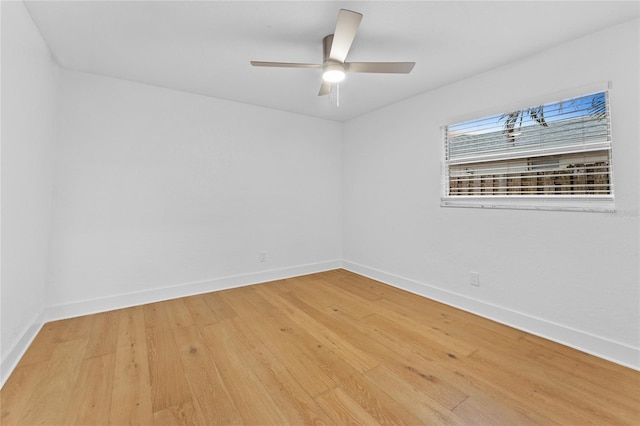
(337,93)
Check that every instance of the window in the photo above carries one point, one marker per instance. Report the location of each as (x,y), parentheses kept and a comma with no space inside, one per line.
(551,156)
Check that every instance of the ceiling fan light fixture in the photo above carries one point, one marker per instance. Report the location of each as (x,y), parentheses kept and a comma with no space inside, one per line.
(333,73)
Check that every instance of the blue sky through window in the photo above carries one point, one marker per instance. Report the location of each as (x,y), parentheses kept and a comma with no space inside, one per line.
(560,110)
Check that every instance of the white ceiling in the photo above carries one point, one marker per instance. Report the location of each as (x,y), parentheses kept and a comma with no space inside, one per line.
(205,47)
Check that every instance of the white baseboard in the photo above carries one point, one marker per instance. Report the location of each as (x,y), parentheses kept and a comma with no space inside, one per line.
(14,355)
(119,301)
(595,345)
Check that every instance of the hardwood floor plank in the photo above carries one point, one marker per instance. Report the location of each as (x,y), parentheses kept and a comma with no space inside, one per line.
(183,413)
(220,309)
(344,410)
(320,366)
(200,311)
(425,334)
(535,382)
(283,335)
(366,333)
(577,383)
(460,325)
(486,411)
(374,400)
(77,328)
(240,300)
(431,344)
(90,399)
(178,313)
(379,405)
(440,376)
(168,385)
(430,378)
(249,395)
(104,335)
(293,402)
(207,388)
(364,287)
(426,409)
(328,296)
(503,382)
(280,286)
(269,325)
(326,348)
(357,358)
(586,369)
(50,398)
(131,398)
(17,391)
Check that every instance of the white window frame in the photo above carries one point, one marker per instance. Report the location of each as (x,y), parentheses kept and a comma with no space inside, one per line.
(604,203)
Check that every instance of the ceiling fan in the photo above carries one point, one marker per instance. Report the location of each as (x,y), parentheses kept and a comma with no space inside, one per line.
(335,48)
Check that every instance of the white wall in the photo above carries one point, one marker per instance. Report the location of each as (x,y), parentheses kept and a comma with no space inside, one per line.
(572,277)
(29,86)
(157,188)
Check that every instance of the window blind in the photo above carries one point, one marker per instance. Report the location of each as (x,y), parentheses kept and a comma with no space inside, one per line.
(557,149)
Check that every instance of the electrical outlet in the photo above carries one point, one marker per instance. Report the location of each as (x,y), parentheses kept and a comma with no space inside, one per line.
(263,256)
(474,279)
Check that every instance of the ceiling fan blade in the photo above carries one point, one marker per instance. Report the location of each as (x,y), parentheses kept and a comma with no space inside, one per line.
(284,64)
(346,28)
(325,88)
(381,67)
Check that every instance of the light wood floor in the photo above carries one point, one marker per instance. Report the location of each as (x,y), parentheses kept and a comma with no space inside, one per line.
(329,348)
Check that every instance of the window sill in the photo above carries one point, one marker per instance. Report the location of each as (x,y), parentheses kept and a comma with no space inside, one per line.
(554,203)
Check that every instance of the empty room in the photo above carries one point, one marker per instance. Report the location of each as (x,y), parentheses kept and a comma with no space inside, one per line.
(320,212)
